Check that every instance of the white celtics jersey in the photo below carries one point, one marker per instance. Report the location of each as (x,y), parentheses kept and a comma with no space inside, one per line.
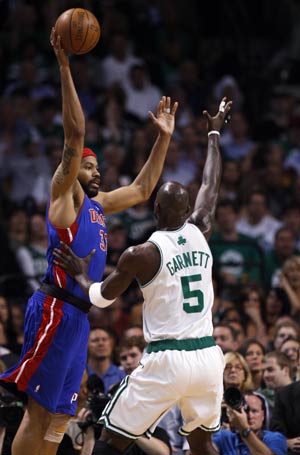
(179,299)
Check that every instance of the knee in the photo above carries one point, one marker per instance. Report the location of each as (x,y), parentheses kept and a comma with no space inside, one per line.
(57,428)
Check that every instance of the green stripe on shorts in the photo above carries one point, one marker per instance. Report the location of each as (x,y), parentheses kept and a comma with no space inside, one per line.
(190,344)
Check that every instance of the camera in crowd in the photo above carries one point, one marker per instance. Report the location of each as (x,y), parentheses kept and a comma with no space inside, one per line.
(11,411)
(96,402)
(233,398)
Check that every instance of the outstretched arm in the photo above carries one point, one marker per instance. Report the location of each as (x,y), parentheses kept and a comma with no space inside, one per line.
(104,293)
(141,188)
(73,124)
(206,201)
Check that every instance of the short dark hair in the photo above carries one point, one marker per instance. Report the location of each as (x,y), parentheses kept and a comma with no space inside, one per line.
(131,342)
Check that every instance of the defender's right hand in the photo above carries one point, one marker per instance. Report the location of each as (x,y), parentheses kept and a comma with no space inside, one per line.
(215,123)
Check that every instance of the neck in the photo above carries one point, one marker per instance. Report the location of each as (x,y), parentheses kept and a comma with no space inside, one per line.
(99,366)
(257,378)
(171,226)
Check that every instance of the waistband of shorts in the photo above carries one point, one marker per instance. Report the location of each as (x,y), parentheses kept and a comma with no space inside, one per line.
(190,344)
(66,296)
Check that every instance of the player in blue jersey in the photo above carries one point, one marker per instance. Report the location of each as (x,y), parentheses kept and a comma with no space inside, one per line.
(54,353)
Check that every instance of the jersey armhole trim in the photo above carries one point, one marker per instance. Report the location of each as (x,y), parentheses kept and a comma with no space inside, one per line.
(160,267)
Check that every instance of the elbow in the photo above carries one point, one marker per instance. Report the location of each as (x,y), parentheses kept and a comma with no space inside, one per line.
(142,192)
(78,131)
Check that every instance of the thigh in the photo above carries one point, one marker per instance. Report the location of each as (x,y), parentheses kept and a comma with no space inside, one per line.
(142,399)
(53,367)
(201,405)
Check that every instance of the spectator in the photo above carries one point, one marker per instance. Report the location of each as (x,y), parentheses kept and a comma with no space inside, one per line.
(140,92)
(251,304)
(139,222)
(286,415)
(240,332)
(284,330)
(237,256)
(134,330)
(237,373)
(231,177)
(253,351)
(284,247)
(32,256)
(291,348)
(257,222)
(277,373)
(277,304)
(42,184)
(290,282)
(130,351)
(225,337)
(174,170)
(291,219)
(247,434)
(31,164)
(100,354)
(116,65)
(237,142)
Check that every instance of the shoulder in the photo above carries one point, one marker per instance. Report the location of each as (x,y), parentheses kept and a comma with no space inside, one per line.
(289,392)
(275,441)
(139,253)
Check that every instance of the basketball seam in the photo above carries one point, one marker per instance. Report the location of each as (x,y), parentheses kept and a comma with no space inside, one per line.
(70,29)
(87,31)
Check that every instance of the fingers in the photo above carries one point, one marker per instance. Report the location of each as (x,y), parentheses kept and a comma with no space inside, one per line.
(165,106)
(207,115)
(91,254)
(152,116)
(222,105)
(160,107)
(174,108)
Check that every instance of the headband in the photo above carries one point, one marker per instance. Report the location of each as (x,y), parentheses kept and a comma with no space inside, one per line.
(88,152)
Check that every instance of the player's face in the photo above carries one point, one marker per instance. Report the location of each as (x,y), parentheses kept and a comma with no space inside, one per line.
(89,176)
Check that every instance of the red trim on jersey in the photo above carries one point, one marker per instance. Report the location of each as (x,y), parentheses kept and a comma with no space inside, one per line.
(67,235)
(51,318)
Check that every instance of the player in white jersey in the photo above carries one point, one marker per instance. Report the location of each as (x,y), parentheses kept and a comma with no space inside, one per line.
(182,364)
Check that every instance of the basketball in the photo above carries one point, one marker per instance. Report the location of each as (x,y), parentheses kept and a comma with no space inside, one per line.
(79,30)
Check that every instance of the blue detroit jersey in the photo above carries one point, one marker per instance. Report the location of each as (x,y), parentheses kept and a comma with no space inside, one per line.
(54,351)
(88,232)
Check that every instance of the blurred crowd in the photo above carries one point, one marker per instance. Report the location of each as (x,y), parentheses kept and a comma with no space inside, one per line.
(248,52)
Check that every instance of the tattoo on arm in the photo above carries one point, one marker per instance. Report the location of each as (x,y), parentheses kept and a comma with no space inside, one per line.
(63,169)
(68,154)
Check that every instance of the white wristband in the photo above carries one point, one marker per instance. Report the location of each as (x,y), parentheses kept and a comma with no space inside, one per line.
(213,132)
(96,297)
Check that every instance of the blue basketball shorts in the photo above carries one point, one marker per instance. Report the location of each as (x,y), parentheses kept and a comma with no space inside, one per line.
(54,354)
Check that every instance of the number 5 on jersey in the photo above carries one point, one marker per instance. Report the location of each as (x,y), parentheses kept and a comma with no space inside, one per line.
(189,294)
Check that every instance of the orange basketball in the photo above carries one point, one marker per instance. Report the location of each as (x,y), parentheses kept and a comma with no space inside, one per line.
(79,30)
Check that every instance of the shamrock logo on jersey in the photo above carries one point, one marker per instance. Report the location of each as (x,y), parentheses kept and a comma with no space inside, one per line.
(181,240)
